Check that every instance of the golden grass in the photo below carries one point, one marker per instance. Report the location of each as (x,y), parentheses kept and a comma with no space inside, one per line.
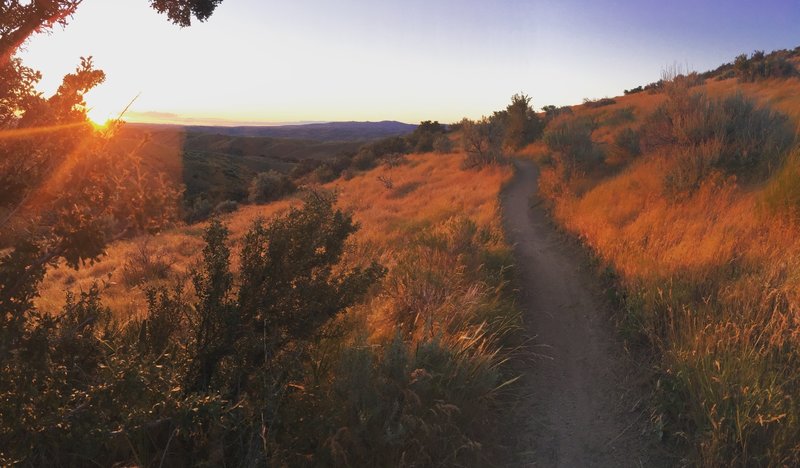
(180,246)
(711,279)
(427,190)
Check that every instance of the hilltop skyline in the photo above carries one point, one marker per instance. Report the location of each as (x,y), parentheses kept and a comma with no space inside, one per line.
(314,62)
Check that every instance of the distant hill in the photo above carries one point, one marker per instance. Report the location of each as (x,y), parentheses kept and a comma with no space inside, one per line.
(331,131)
(218,163)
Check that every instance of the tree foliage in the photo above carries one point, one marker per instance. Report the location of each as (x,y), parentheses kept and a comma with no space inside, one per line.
(482,141)
(522,124)
(268,186)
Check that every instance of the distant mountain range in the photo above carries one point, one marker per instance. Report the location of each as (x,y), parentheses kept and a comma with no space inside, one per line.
(330,131)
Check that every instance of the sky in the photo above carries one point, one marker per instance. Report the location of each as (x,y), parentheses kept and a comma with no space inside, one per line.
(272,61)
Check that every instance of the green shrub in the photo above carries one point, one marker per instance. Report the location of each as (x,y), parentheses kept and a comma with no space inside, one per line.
(690,166)
(364,159)
(323,174)
(482,141)
(423,137)
(269,186)
(522,124)
(570,139)
(198,210)
(627,142)
(760,66)
(443,144)
(595,103)
(750,141)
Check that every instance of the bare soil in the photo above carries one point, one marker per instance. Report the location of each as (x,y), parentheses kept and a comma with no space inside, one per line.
(584,399)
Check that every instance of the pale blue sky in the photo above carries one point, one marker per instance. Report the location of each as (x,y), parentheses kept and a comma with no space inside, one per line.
(317,60)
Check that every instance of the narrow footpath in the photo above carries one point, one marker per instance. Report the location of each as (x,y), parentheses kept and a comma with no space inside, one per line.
(582,403)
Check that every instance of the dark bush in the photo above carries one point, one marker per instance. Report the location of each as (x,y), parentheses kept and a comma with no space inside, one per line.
(364,159)
(443,144)
(392,145)
(522,124)
(551,112)
(483,141)
(421,140)
(627,142)
(760,66)
(570,139)
(595,103)
(198,210)
(303,168)
(323,174)
(227,206)
(269,186)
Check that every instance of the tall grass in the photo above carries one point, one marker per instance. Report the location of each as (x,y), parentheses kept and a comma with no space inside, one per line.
(415,374)
(708,266)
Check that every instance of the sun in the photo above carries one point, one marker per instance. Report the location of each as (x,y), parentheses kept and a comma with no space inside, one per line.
(98,118)
(102,107)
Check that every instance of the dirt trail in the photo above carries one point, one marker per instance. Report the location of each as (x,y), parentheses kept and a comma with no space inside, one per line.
(581,405)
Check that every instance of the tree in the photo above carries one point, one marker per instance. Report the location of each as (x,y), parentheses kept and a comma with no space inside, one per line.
(522,124)
(482,141)
(20,19)
(268,186)
(421,140)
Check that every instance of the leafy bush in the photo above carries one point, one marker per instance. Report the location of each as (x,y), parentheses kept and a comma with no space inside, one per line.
(522,124)
(626,141)
(323,174)
(443,144)
(200,209)
(691,166)
(197,379)
(570,139)
(595,103)
(760,66)
(269,186)
(482,141)
(423,137)
(751,141)
(227,206)
(635,90)
(364,159)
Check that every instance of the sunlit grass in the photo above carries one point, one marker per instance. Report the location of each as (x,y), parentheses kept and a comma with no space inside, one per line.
(709,278)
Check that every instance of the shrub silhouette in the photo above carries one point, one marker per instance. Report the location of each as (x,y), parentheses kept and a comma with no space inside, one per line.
(482,141)
(268,186)
(443,144)
(760,66)
(747,140)
(227,206)
(423,137)
(522,124)
(570,139)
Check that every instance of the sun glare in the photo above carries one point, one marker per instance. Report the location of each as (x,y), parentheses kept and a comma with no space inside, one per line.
(98,118)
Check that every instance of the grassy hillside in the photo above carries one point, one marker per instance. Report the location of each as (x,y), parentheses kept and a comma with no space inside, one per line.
(687,195)
(412,374)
